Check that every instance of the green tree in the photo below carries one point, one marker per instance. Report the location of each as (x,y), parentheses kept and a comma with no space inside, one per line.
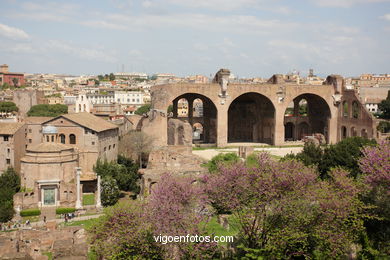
(109,191)
(6,211)
(111,77)
(384,126)
(384,106)
(311,155)
(130,179)
(10,179)
(345,154)
(15,81)
(48,110)
(7,107)
(143,109)
(9,185)
(125,173)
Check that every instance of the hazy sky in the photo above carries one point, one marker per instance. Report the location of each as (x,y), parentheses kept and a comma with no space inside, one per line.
(187,37)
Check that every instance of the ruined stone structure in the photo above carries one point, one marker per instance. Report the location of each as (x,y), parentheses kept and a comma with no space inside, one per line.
(63,243)
(255,113)
(174,159)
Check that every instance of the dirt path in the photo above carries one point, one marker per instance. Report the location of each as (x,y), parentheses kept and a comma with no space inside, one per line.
(277,151)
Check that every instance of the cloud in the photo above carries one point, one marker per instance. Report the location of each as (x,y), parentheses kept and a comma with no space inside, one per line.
(222,5)
(87,53)
(103,24)
(231,23)
(200,46)
(13,32)
(386,17)
(345,3)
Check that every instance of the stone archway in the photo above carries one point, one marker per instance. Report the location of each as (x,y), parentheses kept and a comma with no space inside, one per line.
(201,110)
(251,118)
(310,114)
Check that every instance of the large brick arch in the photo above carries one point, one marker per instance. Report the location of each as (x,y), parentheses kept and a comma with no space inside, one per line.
(208,120)
(251,118)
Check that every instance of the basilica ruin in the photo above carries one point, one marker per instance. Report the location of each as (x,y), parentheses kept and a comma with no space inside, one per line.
(275,113)
(230,114)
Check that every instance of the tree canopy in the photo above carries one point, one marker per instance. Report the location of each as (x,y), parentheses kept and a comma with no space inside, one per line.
(344,154)
(143,109)
(48,110)
(9,185)
(124,171)
(384,106)
(283,210)
(7,107)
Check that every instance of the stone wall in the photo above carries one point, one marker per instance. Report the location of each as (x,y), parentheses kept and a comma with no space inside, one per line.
(68,242)
(171,159)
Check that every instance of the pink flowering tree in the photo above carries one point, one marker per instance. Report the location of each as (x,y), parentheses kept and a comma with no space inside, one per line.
(284,210)
(375,166)
(123,233)
(177,208)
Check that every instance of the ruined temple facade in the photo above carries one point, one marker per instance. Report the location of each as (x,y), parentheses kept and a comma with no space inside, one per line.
(223,113)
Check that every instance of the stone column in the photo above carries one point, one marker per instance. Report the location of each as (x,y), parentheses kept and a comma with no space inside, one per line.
(334,130)
(98,198)
(296,108)
(222,124)
(78,198)
(278,137)
(190,110)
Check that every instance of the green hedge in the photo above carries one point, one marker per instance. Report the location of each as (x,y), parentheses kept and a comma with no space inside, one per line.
(65,210)
(30,212)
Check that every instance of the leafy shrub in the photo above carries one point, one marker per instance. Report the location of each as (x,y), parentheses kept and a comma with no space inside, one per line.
(344,154)
(109,191)
(65,210)
(311,154)
(222,159)
(125,172)
(30,212)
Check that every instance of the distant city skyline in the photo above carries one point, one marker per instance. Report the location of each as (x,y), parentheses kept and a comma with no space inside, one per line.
(252,38)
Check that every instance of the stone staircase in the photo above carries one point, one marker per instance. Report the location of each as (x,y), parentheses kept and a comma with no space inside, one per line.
(49,212)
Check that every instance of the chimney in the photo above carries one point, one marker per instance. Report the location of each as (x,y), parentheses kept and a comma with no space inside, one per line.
(4,68)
